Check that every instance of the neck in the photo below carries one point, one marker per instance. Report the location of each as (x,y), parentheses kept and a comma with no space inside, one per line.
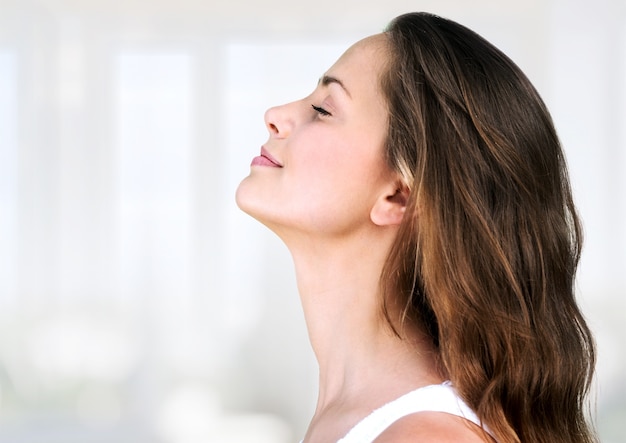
(356,349)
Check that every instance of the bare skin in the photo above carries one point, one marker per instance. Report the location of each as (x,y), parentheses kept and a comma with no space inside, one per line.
(433,427)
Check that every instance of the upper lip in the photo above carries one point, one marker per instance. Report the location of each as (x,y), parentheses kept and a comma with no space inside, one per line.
(269,156)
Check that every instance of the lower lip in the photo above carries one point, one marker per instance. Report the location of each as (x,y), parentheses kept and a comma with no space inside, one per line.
(263,161)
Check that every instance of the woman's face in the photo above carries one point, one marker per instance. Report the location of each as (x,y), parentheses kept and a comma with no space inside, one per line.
(323,166)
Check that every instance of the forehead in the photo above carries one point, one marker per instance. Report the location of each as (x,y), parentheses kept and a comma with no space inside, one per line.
(361,66)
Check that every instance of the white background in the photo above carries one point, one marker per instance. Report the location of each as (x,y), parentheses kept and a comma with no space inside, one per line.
(137,304)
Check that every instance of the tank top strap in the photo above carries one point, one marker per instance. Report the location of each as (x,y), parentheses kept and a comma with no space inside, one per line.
(433,398)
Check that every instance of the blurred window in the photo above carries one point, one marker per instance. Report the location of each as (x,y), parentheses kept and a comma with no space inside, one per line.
(153,112)
(8,178)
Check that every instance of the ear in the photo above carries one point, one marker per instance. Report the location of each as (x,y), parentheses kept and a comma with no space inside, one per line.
(390,207)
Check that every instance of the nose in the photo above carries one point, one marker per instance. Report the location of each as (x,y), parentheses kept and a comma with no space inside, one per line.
(278,121)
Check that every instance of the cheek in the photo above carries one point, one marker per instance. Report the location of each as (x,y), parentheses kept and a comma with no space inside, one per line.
(336,186)
(324,170)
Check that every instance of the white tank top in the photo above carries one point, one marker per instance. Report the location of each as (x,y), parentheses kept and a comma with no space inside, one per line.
(433,398)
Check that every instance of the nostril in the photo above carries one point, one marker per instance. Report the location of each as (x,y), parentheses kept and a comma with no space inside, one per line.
(277,121)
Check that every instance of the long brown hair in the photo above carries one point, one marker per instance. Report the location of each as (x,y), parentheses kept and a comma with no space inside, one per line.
(486,256)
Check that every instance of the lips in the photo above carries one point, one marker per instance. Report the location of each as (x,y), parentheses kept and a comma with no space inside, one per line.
(265,159)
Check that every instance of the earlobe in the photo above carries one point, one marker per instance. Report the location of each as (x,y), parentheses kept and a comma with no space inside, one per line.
(390,208)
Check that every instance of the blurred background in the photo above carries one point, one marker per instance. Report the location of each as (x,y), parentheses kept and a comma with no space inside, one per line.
(137,304)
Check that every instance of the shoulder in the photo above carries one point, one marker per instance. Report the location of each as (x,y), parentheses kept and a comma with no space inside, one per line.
(435,427)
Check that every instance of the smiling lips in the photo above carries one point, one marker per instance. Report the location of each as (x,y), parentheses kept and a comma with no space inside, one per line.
(265,159)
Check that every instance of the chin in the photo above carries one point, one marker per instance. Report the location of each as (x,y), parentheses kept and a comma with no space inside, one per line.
(242,196)
(249,201)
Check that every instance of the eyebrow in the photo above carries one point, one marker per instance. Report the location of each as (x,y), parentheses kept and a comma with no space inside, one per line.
(327,80)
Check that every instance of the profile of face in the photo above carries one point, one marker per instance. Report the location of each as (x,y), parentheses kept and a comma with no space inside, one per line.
(323,169)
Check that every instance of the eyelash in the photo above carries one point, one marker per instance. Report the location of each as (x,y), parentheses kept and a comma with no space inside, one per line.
(321,111)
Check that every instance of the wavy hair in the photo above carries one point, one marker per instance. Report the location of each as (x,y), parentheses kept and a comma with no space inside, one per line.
(486,255)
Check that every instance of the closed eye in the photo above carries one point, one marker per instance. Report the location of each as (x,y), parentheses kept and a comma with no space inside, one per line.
(321,111)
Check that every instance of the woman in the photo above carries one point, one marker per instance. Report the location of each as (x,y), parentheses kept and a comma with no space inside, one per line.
(424,197)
